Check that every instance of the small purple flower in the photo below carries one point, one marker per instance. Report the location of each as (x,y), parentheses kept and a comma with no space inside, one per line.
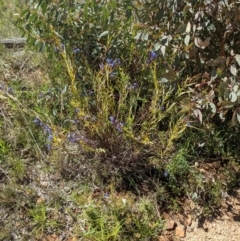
(76,50)
(1,86)
(73,137)
(133,86)
(162,108)
(112,119)
(48,147)
(106,196)
(41,95)
(165,173)
(112,74)
(188,123)
(101,66)
(90,92)
(37,121)
(47,129)
(59,50)
(117,124)
(50,137)
(152,56)
(76,122)
(112,62)
(10,90)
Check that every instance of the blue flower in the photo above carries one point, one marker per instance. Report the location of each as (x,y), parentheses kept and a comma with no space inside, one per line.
(133,86)
(59,50)
(152,56)
(106,195)
(76,50)
(47,129)
(48,147)
(50,137)
(112,74)
(1,86)
(165,173)
(37,121)
(117,124)
(73,137)
(9,90)
(112,62)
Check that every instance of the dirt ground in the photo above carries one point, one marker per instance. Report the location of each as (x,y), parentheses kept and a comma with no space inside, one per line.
(224,227)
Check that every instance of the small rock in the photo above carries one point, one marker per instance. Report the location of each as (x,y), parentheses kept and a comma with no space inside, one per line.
(180,231)
(225,217)
(189,220)
(170,225)
(44,184)
(40,200)
(162,238)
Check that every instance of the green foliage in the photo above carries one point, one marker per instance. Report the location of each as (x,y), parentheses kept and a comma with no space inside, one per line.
(3,149)
(136,99)
(143,77)
(114,89)
(41,220)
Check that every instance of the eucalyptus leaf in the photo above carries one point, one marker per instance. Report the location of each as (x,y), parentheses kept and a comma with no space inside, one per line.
(157,46)
(181,29)
(237,57)
(103,34)
(186,40)
(214,74)
(235,88)
(233,96)
(226,94)
(238,115)
(188,28)
(233,70)
(222,87)
(201,44)
(213,107)
(163,50)
(163,80)
(238,118)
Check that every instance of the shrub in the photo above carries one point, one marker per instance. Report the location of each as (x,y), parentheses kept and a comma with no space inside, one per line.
(145,79)
(117,82)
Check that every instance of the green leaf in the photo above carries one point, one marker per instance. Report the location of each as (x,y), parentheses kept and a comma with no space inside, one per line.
(201,44)
(142,36)
(238,116)
(145,36)
(159,14)
(163,49)
(186,40)
(103,34)
(233,70)
(233,96)
(222,87)
(213,107)
(157,46)
(181,29)
(237,57)
(235,88)
(214,74)
(188,28)
(164,80)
